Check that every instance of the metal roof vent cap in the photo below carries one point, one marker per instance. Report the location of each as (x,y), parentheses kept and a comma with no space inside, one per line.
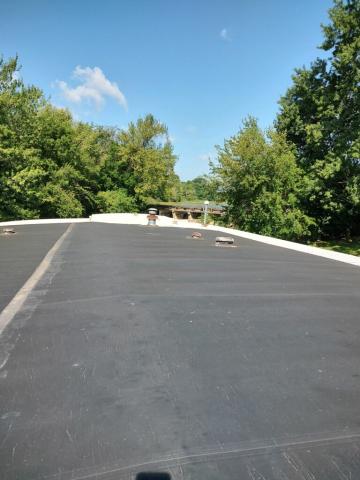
(224,242)
(152,216)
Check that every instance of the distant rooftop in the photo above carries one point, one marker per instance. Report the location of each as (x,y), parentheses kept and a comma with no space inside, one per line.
(196,204)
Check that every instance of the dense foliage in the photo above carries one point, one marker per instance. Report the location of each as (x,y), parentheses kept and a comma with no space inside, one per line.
(262,184)
(200,188)
(320,115)
(305,179)
(298,180)
(52,166)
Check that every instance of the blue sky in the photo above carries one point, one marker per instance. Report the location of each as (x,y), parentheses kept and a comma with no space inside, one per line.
(200,66)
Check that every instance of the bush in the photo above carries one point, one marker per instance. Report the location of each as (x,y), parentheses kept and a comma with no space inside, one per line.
(115,201)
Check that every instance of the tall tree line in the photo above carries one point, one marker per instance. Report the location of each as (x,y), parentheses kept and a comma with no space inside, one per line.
(302,178)
(297,180)
(53,166)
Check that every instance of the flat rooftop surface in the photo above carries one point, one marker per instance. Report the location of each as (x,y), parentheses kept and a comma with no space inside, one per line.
(21,253)
(141,350)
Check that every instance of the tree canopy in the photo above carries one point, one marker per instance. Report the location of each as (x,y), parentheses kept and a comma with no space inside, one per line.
(303,178)
(53,166)
(199,188)
(261,183)
(320,115)
(297,180)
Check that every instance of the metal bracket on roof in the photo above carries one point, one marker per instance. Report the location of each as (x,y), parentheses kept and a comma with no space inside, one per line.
(224,242)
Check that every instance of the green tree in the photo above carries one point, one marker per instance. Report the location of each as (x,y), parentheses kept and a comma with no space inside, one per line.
(18,109)
(320,114)
(68,174)
(146,160)
(42,169)
(52,166)
(199,188)
(187,190)
(115,201)
(261,183)
(202,185)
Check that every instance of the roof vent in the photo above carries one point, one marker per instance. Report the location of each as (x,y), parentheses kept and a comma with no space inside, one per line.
(152,216)
(224,242)
(153,476)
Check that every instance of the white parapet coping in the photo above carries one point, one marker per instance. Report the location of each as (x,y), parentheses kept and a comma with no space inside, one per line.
(44,221)
(162,221)
(121,218)
(298,247)
(140,219)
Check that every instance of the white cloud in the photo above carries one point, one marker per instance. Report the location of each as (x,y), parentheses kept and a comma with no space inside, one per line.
(94,87)
(224,34)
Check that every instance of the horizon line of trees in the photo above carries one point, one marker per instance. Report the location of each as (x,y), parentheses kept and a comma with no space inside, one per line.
(301,179)
(298,180)
(54,166)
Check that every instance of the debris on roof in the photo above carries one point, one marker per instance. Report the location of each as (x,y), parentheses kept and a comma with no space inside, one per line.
(196,235)
(8,231)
